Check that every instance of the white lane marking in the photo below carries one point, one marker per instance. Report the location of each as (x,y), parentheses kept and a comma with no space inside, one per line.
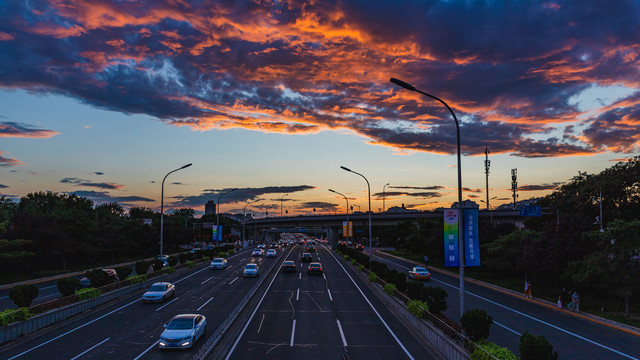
(261,321)
(293,332)
(329,292)
(344,341)
(228,267)
(324,276)
(70,331)
(298,294)
(188,276)
(513,331)
(530,317)
(232,281)
(146,351)
(202,283)
(49,287)
(208,301)
(91,348)
(300,275)
(374,309)
(163,306)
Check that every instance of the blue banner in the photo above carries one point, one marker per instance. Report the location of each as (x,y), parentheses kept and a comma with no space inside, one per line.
(471,243)
(217,233)
(451,254)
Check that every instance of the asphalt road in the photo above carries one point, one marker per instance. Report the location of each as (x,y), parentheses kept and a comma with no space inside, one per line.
(573,336)
(130,329)
(330,316)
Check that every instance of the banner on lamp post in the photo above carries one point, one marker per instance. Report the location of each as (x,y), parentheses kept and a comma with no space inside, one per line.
(471,242)
(347,229)
(451,254)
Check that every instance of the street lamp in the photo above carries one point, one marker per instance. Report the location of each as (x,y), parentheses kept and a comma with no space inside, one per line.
(460,215)
(244,217)
(218,207)
(162,205)
(333,191)
(282,199)
(600,201)
(383,196)
(369,194)
(489,207)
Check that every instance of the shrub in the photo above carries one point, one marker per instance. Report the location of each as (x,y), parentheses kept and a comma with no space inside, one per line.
(67,286)
(414,290)
(134,279)
(123,271)
(361,267)
(346,257)
(436,297)
(157,264)
(372,276)
(183,258)
(490,349)
(169,269)
(222,254)
(87,293)
(197,254)
(97,277)
(534,347)
(476,324)
(230,252)
(210,253)
(172,260)
(206,258)
(11,315)
(417,308)
(141,267)
(22,295)
(390,289)
(191,264)
(353,262)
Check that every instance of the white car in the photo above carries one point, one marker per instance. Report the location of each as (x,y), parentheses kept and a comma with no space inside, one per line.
(257,252)
(251,270)
(271,253)
(218,263)
(182,331)
(158,292)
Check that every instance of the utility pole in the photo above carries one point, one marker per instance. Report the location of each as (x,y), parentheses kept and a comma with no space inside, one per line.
(514,185)
(487,163)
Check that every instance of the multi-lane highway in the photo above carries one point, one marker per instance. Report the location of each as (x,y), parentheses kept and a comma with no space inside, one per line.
(572,335)
(333,315)
(329,316)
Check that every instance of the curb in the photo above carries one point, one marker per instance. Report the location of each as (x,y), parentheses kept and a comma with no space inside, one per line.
(586,316)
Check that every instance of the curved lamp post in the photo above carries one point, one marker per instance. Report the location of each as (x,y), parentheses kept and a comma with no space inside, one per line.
(244,217)
(162,205)
(218,207)
(333,191)
(460,215)
(383,196)
(369,195)
(282,199)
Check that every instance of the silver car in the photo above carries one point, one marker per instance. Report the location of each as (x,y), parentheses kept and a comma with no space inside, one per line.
(251,270)
(158,292)
(218,263)
(182,331)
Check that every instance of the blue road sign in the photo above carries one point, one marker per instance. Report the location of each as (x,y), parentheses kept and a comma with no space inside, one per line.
(530,210)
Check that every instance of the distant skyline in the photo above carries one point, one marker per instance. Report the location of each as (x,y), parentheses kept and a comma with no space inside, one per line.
(103,99)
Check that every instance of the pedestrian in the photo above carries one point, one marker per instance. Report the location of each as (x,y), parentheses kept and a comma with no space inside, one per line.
(426,260)
(559,301)
(574,305)
(527,289)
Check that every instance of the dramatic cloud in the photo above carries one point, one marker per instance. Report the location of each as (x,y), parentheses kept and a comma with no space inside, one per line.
(239,195)
(540,187)
(98,173)
(436,187)
(12,129)
(423,195)
(81,182)
(104,197)
(3,186)
(515,75)
(6,162)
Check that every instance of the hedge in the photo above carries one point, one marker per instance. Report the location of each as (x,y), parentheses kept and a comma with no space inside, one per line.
(11,315)
(499,352)
(67,286)
(390,289)
(134,279)
(23,294)
(169,269)
(88,293)
(191,263)
(417,308)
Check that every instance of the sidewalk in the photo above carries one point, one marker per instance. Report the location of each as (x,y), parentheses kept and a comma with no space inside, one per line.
(596,319)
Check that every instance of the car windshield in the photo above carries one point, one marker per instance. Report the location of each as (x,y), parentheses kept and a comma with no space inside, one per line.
(218,260)
(289,263)
(180,324)
(156,288)
(250,266)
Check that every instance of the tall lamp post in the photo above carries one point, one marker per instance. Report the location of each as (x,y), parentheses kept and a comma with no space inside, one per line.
(162,205)
(244,217)
(369,195)
(333,191)
(460,215)
(281,200)
(218,207)
(383,196)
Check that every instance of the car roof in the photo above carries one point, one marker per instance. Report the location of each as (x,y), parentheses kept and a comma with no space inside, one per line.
(305,253)
(289,262)
(419,268)
(315,263)
(162,283)
(251,265)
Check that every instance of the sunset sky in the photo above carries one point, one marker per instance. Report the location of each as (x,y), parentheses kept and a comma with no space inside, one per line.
(104,98)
